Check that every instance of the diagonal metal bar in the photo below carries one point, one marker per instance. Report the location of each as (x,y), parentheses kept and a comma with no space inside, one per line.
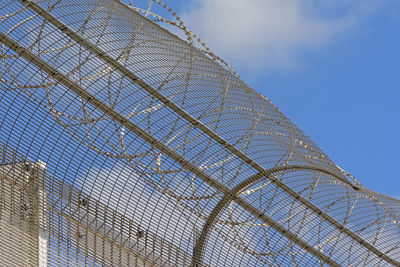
(123,70)
(196,123)
(62,79)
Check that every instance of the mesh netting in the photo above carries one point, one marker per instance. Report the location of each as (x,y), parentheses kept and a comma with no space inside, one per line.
(122,144)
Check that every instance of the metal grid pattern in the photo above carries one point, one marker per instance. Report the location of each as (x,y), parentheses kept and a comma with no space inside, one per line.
(155,154)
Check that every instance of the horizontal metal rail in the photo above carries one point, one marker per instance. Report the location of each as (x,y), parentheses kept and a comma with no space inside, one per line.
(62,79)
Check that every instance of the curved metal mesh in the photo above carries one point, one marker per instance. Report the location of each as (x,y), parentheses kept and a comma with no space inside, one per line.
(156,155)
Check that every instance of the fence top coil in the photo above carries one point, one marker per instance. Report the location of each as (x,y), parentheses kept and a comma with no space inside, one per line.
(140,148)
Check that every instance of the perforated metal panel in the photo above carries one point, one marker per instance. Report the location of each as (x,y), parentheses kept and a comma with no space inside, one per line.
(158,155)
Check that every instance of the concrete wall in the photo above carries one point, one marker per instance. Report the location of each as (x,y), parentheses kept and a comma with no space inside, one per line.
(22,223)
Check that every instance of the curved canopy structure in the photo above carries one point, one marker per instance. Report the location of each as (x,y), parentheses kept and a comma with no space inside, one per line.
(123,145)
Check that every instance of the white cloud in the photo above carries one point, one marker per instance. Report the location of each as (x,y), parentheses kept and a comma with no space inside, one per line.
(271,33)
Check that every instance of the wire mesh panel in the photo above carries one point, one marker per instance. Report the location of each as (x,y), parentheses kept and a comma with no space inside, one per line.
(157,155)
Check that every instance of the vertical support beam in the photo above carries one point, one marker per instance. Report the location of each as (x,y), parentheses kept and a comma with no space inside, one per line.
(40,174)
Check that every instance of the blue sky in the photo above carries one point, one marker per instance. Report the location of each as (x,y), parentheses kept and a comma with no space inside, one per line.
(333,67)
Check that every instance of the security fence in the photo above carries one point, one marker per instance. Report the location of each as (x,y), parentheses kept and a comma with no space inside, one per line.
(152,151)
